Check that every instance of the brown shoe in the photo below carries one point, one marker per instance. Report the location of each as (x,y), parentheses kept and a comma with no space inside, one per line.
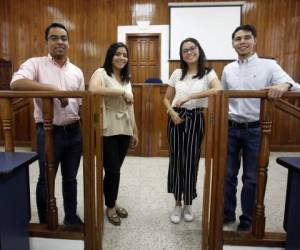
(114,219)
(122,212)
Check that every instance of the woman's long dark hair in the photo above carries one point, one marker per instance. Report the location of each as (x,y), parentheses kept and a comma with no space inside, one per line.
(125,75)
(201,63)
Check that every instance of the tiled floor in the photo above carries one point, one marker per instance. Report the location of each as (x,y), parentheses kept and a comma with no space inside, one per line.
(143,193)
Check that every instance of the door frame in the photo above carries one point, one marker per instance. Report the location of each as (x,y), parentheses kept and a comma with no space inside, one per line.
(163,30)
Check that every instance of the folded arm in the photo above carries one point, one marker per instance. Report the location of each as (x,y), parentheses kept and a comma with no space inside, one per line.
(96,85)
(215,86)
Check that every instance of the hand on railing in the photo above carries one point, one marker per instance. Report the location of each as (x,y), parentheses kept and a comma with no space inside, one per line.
(63,101)
(276,91)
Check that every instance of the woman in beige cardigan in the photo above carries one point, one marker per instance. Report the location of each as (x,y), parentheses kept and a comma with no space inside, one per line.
(119,126)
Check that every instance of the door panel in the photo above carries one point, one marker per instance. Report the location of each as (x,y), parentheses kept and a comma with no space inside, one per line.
(144,56)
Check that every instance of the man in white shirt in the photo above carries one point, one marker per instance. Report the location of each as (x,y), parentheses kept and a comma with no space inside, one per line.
(249,72)
(53,73)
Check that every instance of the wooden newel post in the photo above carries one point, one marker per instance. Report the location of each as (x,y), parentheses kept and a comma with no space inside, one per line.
(49,154)
(263,161)
(7,123)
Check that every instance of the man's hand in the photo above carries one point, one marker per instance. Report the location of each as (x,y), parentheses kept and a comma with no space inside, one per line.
(63,101)
(276,91)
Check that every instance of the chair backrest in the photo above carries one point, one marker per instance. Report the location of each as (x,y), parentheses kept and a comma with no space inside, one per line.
(153,80)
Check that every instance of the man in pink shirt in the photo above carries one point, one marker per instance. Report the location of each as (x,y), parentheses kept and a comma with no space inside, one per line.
(48,73)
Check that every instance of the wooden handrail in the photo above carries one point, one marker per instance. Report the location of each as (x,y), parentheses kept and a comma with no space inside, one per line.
(257,94)
(40,94)
(288,108)
(91,234)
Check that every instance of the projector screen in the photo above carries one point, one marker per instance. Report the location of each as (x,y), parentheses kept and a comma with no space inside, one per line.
(212,26)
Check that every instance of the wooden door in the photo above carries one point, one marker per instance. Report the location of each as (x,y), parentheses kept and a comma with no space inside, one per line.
(144,56)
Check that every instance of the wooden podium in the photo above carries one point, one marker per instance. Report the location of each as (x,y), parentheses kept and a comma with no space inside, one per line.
(292,203)
(14,199)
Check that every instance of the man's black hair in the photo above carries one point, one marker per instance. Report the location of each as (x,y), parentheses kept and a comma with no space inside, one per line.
(54,25)
(246,27)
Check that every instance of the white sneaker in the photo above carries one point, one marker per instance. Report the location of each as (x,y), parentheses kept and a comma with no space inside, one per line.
(187,213)
(175,216)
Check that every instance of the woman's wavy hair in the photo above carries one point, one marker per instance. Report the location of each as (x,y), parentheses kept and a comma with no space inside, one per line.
(125,75)
(202,69)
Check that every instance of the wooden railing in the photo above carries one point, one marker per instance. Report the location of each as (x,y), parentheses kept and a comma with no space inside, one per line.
(215,168)
(91,118)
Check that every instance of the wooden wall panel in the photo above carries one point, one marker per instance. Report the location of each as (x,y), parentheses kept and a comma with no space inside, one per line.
(160,122)
(151,119)
(23,117)
(93,26)
(139,112)
(286,130)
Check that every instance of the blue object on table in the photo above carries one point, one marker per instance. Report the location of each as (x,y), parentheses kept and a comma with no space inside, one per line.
(14,199)
(153,80)
(292,202)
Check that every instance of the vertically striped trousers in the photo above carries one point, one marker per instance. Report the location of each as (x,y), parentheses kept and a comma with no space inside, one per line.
(184,154)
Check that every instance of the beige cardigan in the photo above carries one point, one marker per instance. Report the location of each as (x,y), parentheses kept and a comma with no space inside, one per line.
(116,113)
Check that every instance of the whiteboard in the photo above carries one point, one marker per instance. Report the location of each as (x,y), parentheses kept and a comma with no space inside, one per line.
(212,26)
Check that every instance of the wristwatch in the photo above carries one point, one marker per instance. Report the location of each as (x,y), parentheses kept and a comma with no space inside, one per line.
(290,86)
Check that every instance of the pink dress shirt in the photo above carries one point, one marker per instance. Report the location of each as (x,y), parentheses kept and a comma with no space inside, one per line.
(46,70)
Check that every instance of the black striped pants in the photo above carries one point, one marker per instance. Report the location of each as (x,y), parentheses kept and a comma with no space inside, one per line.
(184,154)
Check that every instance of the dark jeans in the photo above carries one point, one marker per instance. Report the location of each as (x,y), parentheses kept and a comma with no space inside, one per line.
(242,142)
(67,152)
(114,152)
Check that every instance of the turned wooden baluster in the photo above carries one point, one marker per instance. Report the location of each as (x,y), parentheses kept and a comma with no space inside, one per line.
(97,100)
(7,123)
(259,219)
(49,154)
(218,171)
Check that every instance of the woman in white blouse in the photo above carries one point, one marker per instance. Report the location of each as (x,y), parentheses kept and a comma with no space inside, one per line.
(184,102)
(119,126)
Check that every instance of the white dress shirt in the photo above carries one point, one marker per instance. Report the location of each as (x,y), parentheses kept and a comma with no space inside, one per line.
(253,73)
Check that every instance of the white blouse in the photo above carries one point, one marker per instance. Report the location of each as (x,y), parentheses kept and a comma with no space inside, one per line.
(116,113)
(190,85)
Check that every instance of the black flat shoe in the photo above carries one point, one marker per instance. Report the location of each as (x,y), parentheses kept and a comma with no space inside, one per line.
(72,220)
(244,227)
(114,219)
(122,212)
